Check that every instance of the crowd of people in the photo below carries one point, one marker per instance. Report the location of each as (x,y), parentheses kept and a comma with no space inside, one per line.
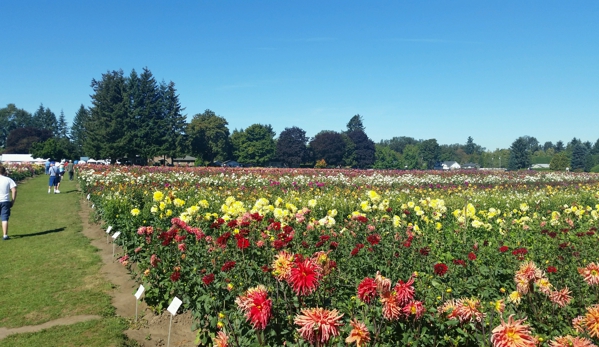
(57,172)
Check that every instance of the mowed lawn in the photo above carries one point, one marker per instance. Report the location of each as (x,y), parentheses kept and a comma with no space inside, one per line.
(49,270)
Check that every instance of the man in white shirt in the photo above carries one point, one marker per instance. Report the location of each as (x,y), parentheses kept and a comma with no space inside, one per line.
(8,187)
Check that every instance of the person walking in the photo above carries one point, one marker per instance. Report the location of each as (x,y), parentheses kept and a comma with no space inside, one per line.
(54,178)
(70,169)
(8,196)
(61,172)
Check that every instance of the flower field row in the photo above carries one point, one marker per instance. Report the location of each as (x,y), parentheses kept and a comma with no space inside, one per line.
(308,257)
(19,172)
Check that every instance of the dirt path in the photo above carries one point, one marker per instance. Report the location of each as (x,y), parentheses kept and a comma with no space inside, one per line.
(4,332)
(151,330)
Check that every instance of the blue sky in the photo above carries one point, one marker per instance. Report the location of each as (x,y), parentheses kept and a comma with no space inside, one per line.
(493,70)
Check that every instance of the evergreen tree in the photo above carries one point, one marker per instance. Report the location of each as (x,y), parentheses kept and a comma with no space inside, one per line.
(579,157)
(595,149)
(44,118)
(78,130)
(470,147)
(559,146)
(364,149)
(548,145)
(355,123)
(107,128)
(519,154)
(292,147)
(62,127)
(174,142)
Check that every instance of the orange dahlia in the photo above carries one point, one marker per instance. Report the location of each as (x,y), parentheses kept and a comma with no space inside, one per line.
(391,306)
(467,310)
(281,266)
(359,334)
(590,273)
(512,334)
(569,341)
(592,320)
(530,271)
(383,284)
(318,325)
(221,340)
(304,276)
(448,308)
(578,324)
(256,305)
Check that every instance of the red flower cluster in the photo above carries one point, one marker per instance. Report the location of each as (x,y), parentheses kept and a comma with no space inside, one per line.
(374,239)
(304,276)
(440,269)
(208,279)
(503,249)
(228,265)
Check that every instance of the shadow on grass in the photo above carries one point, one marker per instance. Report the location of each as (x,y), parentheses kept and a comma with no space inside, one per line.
(70,191)
(40,233)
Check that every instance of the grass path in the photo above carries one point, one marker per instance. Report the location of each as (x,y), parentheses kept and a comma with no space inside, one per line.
(49,271)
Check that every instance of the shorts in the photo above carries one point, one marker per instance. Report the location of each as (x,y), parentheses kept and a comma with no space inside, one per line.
(53,181)
(5,210)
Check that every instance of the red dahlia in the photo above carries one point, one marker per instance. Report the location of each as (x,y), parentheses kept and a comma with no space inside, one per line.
(440,269)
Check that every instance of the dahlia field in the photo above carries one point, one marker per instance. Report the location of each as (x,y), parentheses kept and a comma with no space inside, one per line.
(272,257)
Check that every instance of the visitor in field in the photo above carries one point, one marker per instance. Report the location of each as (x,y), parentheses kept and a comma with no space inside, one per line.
(54,178)
(70,169)
(61,172)
(7,187)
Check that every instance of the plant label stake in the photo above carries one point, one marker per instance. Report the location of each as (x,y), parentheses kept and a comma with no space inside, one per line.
(172,308)
(138,295)
(108,233)
(114,238)
(88,196)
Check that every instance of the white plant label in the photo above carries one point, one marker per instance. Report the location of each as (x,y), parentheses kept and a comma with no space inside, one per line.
(109,229)
(88,196)
(116,235)
(174,306)
(139,292)
(93,205)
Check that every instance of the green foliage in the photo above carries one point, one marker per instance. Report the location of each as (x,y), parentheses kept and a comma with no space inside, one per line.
(411,157)
(429,151)
(78,130)
(386,158)
(45,119)
(20,140)
(12,118)
(579,157)
(254,145)
(292,147)
(355,123)
(559,162)
(363,149)
(519,154)
(209,137)
(595,169)
(55,149)
(330,146)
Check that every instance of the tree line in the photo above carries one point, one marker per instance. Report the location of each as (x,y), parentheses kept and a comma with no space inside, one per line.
(134,116)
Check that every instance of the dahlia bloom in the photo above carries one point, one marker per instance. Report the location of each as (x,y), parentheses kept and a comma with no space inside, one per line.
(359,334)
(544,285)
(578,324)
(591,320)
(383,284)
(405,291)
(512,334)
(367,290)
(449,308)
(304,276)
(530,271)
(561,297)
(391,306)
(590,273)
(256,305)
(282,265)
(414,308)
(467,310)
(569,341)
(221,340)
(440,269)
(318,325)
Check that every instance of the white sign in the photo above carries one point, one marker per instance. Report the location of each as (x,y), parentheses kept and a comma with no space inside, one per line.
(109,229)
(139,292)
(116,235)
(88,196)
(174,306)
(93,205)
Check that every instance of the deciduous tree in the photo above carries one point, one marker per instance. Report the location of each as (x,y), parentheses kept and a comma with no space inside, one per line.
(209,136)
(292,146)
(255,144)
(328,145)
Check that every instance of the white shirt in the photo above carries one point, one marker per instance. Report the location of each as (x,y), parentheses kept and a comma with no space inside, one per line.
(6,184)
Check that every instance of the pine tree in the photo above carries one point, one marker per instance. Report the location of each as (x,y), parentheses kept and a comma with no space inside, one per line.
(519,154)
(62,127)
(78,129)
